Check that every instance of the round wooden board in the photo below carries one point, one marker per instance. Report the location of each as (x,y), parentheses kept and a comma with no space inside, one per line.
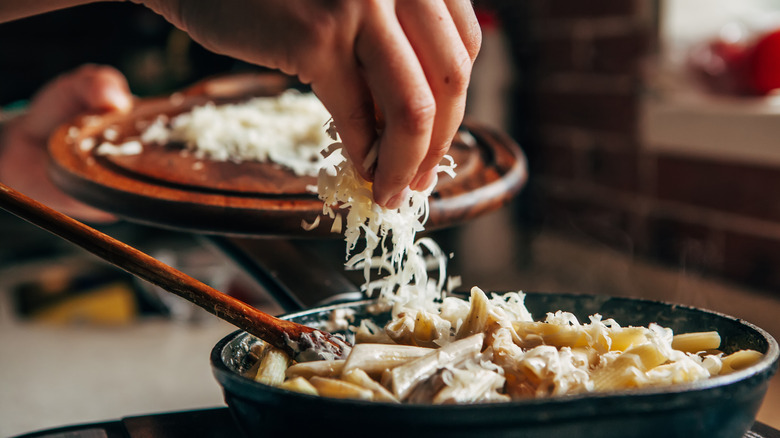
(163,186)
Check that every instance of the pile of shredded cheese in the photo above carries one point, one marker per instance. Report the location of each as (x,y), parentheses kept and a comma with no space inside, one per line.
(285,129)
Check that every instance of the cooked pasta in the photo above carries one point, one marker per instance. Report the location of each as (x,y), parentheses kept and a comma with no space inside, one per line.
(740,360)
(695,342)
(272,367)
(491,350)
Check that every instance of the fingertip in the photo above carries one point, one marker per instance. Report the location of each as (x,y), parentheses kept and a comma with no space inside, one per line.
(384,196)
(388,188)
(119,99)
(105,88)
(381,197)
(395,201)
(423,180)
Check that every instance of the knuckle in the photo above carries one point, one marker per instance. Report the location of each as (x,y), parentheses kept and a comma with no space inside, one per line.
(416,116)
(321,44)
(460,74)
(437,151)
(399,179)
(473,41)
(435,154)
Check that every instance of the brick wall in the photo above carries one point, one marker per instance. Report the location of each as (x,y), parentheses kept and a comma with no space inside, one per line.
(583,77)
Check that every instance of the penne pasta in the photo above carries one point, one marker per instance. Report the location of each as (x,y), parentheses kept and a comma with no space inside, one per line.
(374,359)
(650,356)
(478,385)
(478,317)
(620,374)
(626,370)
(625,337)
(299,384)
(335,388)
(740,360)
(696,342)
(320,368)
(273,365)
(406,376)
(360,378)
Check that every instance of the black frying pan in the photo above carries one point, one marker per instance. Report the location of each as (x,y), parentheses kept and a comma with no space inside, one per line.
(724,406)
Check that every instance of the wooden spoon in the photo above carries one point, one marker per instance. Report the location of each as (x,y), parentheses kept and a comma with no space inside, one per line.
(298,340)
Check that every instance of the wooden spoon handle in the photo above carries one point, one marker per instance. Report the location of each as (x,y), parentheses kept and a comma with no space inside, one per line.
(273,330)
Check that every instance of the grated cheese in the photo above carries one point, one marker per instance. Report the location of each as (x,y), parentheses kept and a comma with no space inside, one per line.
(386,237)
(285,129)
(132,147)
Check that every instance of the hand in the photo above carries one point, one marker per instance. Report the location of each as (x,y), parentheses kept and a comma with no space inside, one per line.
(408,60)
(23,156)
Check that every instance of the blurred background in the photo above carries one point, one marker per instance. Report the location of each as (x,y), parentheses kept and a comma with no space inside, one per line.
(651,131)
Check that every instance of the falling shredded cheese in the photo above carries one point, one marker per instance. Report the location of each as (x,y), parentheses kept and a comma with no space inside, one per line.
(381,238)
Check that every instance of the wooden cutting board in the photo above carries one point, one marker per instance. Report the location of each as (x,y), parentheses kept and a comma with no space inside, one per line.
(167,187)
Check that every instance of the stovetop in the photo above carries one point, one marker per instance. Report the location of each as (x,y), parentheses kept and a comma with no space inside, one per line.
(207,423)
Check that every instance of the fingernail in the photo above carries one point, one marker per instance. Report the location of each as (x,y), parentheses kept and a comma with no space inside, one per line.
(415,181)
(423,181)
(120,100)
(380,197)
(394,202)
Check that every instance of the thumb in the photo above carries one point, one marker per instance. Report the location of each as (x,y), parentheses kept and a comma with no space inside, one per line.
(102,88)
(106,89)
(88,88)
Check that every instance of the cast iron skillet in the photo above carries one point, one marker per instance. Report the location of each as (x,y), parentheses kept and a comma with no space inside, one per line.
(724,406)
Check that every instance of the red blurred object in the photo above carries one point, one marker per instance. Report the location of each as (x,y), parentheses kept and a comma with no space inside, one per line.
(764,63)
(740,67)
(487,18)
(721,66)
